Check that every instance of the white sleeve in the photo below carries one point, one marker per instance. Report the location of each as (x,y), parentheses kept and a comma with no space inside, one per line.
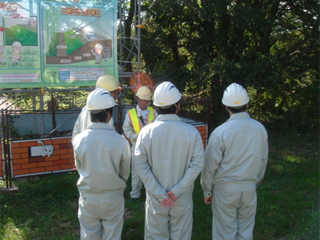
(264,161)
(212,158)
(144,170)
(82,122)
(128,129)
(195,167)
(125,162)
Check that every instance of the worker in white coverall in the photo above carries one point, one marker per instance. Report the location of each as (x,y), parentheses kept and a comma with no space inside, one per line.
(169,157)
(135,120)
(107,82)
(103,163)
(235,162)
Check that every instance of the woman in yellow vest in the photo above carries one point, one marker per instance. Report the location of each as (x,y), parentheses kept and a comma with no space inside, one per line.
(135,120)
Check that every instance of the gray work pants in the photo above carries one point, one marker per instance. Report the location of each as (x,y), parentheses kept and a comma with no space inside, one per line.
(168,223)
(101,216)
(233,214)
(136,183)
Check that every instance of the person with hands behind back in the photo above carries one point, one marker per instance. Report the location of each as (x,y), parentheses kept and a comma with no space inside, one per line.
(168,158)
(235,162)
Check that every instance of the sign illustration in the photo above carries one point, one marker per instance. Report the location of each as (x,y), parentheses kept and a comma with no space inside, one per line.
(40,40)
(41,151)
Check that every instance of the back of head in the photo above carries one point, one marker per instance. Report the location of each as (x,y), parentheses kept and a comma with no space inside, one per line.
(108,82)
(166,94)
(235,96)
(99,100)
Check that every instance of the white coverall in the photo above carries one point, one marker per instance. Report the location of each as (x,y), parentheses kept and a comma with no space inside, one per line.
(128,130)
(83,121)
(169,157)
(103,162)
(235,162)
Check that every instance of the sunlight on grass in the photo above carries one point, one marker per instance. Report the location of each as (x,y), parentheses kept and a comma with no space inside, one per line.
(292,159)
(12,232)
(277,168)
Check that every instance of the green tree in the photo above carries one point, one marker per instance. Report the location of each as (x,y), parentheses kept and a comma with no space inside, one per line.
(269,46)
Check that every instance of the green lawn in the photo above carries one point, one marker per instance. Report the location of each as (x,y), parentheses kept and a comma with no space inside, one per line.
(73,44)
(288,200)
(18,33)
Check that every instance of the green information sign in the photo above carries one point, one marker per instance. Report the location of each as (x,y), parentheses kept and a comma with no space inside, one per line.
(57,43)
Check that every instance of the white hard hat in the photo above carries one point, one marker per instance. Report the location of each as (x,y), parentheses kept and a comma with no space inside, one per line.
(107,82)
(98,45)
(100,99)
(144,93)
(235,96)
(16,44)
(166,94)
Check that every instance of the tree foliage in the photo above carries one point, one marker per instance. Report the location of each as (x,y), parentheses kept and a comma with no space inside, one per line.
(269,46)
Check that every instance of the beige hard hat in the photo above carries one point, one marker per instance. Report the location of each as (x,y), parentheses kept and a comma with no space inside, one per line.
(166,94)
(100,99)
(144,93)
(108,82)
(235,96)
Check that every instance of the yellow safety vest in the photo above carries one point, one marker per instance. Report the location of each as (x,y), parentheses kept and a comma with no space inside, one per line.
(135,120)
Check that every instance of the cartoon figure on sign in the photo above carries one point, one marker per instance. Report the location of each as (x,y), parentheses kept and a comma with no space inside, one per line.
(44,150)
(2,54)
(107,53)
(16,49)
(97,52)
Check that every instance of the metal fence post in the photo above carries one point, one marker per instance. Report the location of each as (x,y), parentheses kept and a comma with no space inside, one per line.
(6,151)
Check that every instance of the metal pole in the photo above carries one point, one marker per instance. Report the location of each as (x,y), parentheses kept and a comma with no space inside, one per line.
(34,116)
(41,115)
(7,146)
(5,163)
(6,152)
(138,11)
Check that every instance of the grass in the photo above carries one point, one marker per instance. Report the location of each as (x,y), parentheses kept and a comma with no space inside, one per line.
(288,200)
